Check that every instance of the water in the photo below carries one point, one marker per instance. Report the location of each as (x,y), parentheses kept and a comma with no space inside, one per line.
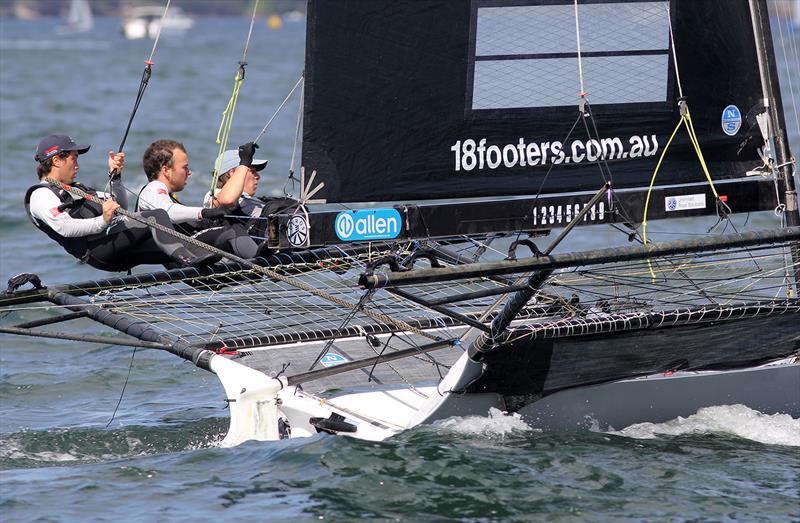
(158,459)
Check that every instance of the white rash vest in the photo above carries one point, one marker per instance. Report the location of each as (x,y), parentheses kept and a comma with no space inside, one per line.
(155,195)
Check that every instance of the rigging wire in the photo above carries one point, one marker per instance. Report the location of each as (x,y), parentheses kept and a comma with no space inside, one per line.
(580,61)
(278,110)
(291,177)
(223,133)
(146,73)
(790,55)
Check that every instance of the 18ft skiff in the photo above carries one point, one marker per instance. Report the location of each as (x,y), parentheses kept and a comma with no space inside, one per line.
(502,120)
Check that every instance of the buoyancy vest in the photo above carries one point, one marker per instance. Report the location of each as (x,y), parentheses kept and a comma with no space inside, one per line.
(78,208)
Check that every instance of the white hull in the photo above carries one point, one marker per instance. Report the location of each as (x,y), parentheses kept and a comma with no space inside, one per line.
(146,22)
(261,406)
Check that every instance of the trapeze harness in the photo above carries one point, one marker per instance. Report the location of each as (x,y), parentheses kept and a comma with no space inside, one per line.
(77,208)
(121,246)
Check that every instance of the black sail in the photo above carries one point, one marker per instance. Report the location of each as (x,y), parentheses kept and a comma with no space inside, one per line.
(447,99)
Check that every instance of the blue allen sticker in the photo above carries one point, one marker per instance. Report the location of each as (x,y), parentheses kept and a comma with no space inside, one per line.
(731,120)
(331,360)
(368,224)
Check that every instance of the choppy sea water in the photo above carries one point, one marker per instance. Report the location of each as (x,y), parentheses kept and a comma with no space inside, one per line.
(158,459)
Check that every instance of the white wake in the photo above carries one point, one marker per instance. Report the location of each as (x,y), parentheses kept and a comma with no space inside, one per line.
(737,420)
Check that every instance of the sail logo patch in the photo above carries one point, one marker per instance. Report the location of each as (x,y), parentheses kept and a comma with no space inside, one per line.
(731,120)
(685,202)
(368,224)
(331,360)
(297,231)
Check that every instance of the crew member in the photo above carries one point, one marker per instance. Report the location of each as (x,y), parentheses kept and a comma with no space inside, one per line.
(166,165)
(237,186)
(89,230)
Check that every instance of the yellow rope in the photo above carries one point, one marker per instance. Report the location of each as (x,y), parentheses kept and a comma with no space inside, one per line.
(224,131)
(653,180)
(686,119)
(696,143)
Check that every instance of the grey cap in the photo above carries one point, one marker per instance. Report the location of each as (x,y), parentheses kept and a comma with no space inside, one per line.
(230,160)
(55,144)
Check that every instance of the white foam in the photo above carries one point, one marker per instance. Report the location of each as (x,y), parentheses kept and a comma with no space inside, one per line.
(497,423)
(738,420)
(12,449)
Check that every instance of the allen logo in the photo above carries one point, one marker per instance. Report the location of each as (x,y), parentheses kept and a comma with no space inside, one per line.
(368,224)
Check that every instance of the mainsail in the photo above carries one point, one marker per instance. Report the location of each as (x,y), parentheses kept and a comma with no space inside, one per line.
(481,98)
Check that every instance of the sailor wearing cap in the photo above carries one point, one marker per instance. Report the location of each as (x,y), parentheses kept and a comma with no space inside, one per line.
(236,188)
(237,184)
(89,230)
(166,165)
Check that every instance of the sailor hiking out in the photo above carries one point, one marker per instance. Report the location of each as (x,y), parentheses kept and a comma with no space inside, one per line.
(236,187)
(166,165)
(89,230)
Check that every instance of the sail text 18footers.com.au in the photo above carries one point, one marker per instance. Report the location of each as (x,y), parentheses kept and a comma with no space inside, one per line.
(471,154)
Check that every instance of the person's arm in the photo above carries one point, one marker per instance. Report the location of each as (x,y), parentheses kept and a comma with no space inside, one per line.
(155,196)
(233,188)
(116,163)
(44,207)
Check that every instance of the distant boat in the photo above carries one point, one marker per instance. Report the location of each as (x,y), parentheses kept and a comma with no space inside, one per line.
(79,17)
(294,16)
(145,22)
(796,13)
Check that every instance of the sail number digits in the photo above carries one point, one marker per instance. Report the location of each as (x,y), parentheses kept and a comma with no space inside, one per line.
(556,214)
(470,154)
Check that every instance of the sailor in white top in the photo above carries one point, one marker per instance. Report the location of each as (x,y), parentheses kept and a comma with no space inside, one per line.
(90,231)
(166,165)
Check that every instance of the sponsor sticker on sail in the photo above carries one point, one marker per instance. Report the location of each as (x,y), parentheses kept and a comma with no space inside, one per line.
(731,120)
(685,202)
(368,224)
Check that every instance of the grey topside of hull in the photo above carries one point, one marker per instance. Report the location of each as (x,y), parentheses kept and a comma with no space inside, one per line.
(769,390)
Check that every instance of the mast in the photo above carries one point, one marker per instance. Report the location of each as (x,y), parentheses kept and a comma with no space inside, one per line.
(773,101)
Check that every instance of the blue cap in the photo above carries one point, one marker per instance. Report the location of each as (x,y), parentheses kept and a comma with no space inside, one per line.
(56,144)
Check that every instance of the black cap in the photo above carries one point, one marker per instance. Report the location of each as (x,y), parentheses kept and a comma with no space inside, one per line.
(57,144)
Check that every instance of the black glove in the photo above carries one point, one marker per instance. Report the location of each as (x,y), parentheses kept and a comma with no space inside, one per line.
(246,153)
(215,213)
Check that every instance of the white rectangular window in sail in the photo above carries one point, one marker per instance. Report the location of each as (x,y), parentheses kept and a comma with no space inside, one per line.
(526,56)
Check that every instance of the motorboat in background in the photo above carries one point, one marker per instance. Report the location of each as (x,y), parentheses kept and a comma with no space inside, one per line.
(146,21)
